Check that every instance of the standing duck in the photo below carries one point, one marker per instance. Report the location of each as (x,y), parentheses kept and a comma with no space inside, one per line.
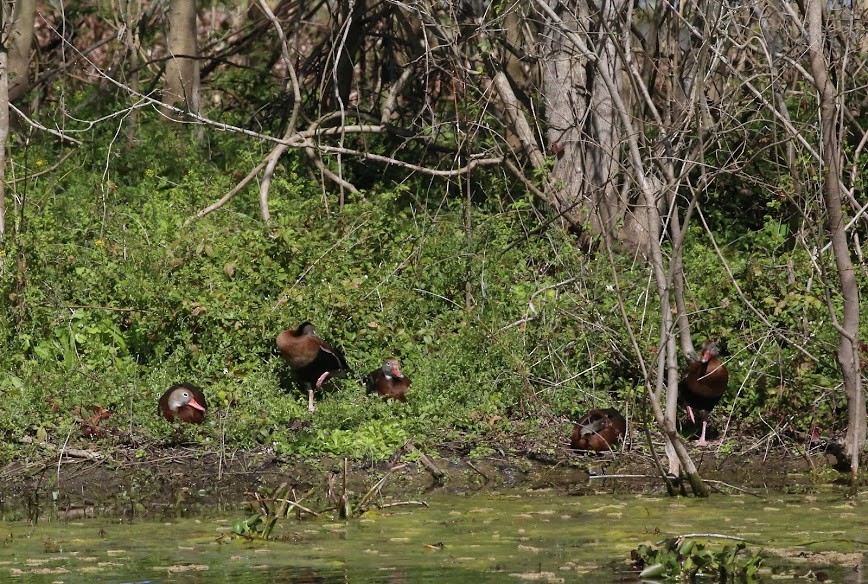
(388,381)
(312,359)
(598,430)
(703,384)
(184,402)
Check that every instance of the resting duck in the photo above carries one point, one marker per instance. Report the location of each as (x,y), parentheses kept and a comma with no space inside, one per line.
(388,381)
(598,430)
(703,384)
(184,402)
(312,359)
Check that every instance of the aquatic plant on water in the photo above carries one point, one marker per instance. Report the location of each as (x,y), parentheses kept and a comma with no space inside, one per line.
(686,560)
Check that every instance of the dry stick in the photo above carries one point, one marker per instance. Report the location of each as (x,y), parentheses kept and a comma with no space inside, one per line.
(223,200)
(297,506)
(715,535)
(60,457)
(740,489)
(278,150)
(39,126)
(44,171)
(401,503)
(439,475)
(670,483)
(71,452)
(343,512)
(625,476)
(482,474)
(375,489)
(222,453)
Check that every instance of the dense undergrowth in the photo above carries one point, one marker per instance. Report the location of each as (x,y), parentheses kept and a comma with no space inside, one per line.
(111,296)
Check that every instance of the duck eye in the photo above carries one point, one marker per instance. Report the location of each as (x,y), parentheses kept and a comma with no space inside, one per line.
(185,394)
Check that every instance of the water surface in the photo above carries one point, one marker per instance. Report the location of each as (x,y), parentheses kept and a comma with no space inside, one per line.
(505,537)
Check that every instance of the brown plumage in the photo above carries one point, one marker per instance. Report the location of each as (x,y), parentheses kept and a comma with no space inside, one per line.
(312,359)
(703,384)
(184,402)
(388,381)
(598,430)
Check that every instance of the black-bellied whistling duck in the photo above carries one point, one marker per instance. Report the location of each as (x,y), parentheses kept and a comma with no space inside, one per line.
(388,381)
(598,430)
(184,402)
(703,384)
(312,359)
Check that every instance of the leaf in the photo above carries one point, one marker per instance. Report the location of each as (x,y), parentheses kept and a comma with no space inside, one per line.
(653,571)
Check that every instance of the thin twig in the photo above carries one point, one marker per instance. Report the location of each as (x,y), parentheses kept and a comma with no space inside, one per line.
(740,489)
(296,505)
(402,503)
(714,535)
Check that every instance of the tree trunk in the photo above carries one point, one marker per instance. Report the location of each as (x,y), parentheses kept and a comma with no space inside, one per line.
(182,69)
(4,126)
(21,41)
(131,12)
(348,39)
(848,328)
(583,127)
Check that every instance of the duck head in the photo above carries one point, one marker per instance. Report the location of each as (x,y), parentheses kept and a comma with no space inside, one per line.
(709,351)
(392,368)
(183,397)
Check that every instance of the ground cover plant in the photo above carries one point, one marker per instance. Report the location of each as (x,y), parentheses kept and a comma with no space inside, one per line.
(112,295)
(539,212)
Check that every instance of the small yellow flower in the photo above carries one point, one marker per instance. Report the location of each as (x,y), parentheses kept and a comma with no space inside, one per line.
(40,163)
(99,242)
(149,172)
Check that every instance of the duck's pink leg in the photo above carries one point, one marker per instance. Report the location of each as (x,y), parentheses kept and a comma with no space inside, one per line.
(702,441)
(311,408)
(690,414)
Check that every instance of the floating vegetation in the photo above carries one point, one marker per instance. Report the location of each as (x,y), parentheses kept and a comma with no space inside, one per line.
(683,560)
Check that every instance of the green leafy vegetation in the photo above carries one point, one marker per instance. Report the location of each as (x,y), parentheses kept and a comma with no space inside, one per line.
(111,295)
(680,560)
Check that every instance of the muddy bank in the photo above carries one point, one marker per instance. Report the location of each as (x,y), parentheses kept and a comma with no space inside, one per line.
(188,480)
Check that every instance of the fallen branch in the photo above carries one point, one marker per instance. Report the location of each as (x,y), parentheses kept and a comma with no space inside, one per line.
(296,505)
(740,489)
(439,475)
(625,476)
(714,535)
(70,452)
(402,503)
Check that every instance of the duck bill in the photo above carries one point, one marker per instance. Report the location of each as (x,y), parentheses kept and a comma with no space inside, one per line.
(195,405)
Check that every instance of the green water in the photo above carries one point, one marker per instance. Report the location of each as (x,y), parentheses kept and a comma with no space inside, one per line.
(516,537)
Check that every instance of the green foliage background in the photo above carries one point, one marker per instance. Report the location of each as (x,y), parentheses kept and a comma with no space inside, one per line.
(110,295)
